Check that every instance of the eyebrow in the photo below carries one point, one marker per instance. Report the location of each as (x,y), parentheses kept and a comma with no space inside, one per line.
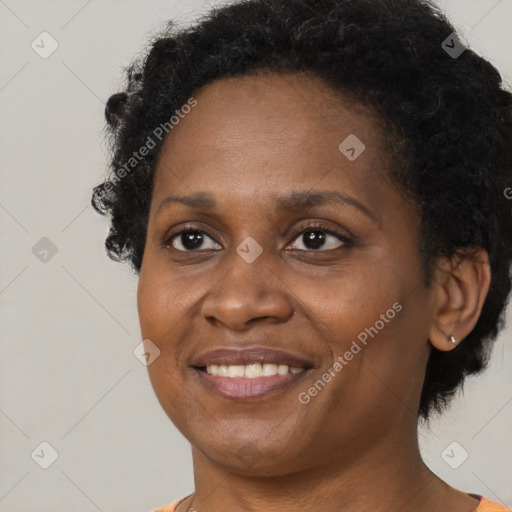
(293,202)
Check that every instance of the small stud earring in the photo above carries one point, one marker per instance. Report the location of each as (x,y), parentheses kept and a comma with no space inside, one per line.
(452,339)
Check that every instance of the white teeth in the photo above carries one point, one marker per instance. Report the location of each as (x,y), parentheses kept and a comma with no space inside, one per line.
(269,369)
(251,371)
(236,371)
(282,369)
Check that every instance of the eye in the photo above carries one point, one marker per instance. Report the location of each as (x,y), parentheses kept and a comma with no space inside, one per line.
(317,236)
(191,239)
(312,238)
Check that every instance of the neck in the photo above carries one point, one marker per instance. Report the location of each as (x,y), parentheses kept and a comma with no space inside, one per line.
(386,476)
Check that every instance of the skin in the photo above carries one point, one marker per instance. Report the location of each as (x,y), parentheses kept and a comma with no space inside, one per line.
(354,445)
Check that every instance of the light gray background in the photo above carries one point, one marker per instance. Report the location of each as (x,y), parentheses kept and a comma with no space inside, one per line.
(69,326)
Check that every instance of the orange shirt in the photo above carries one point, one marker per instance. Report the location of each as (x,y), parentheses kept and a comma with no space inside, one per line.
(490,506)
(485,505)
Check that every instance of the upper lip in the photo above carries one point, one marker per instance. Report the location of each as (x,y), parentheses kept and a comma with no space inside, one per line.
(250,355)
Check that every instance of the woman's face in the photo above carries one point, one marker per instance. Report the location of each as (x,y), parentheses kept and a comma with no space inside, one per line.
(336,279)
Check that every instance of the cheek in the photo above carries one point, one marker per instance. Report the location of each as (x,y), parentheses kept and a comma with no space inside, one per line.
(159,313)
(363,321)
(350,300)
(158,303)
(164,311)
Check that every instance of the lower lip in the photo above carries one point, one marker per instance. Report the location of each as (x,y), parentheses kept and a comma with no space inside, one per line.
(242,388)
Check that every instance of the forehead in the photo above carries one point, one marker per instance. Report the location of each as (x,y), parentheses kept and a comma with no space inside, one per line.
(265,132)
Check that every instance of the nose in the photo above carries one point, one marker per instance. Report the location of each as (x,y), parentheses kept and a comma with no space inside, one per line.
(248,293)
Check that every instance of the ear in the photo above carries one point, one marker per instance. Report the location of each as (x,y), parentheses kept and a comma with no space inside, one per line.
(459,288)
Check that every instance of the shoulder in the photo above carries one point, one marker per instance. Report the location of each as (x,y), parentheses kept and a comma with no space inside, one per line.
(172,506)
(491,506)
(486,505)
(168,508)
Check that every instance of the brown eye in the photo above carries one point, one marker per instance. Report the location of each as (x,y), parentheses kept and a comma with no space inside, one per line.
(318,237)
(191,240)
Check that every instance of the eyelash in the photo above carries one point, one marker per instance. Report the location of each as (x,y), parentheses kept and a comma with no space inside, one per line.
(315,226)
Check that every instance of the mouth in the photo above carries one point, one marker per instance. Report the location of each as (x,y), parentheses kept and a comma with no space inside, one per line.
(249,374)
(250,371)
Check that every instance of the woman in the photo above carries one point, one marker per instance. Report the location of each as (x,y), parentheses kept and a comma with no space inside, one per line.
(313,194)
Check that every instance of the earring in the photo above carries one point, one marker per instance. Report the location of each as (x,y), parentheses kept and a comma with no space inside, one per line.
(452,339)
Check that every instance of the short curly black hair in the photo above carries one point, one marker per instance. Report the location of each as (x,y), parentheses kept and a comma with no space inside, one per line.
(449,116)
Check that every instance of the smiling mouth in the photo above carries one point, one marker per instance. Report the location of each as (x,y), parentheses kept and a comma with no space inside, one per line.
(250,371)
(234,386)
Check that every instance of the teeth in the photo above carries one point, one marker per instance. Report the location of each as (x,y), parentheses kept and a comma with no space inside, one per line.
(251,371)
(269,369)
